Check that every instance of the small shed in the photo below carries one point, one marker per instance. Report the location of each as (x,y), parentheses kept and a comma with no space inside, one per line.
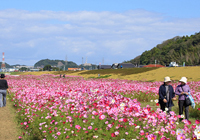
(125,65)
(104,67)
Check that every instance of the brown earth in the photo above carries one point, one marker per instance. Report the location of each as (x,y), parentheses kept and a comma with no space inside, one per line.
(8,124)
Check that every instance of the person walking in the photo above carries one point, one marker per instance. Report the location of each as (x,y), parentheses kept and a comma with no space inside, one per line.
(182,91)
(3,90)
(166,95)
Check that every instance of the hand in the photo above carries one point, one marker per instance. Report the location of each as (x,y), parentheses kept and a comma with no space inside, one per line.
(174,98)
(164,100)
(182,93)
(186,93)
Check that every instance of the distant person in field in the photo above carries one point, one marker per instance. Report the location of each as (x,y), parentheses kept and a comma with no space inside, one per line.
(166,95)
(182,91)
(3,90)
(63,75)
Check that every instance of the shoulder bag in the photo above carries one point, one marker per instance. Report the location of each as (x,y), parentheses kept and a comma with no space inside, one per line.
(187,100)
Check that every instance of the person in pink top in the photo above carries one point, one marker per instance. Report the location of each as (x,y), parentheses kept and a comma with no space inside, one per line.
(182,91)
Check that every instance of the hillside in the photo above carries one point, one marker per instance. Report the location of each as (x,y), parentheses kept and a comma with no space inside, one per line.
(180,49)
(44,62)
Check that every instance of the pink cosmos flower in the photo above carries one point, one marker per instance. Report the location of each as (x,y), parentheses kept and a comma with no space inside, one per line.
(151,137)
(89,127)
(58,133)
(78,127)
(116,133)
(142,132)
(181,137)
(102,117)
(173,132)
(197,121)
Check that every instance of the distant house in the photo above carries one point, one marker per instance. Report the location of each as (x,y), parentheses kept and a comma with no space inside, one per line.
(74,69)
(104,67)
(114,65)
(125,65)
(154,65)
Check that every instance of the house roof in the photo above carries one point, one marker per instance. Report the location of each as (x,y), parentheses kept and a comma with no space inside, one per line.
(129,65)
(104,66)
(154,65)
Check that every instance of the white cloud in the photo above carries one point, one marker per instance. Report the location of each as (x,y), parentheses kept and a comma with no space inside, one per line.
(114,36)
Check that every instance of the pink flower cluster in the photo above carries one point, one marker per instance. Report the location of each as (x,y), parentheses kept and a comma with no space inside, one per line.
(76,107)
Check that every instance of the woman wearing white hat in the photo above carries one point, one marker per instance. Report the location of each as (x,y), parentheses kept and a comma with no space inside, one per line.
(166,94)
(182,91)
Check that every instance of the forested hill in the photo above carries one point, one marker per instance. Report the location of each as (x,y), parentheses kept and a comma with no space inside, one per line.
(55,63)
(179,49)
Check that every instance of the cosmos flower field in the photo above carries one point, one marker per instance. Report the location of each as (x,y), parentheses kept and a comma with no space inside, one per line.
(50,107)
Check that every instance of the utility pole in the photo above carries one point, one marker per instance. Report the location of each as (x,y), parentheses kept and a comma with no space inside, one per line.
(65,62)
(3,66)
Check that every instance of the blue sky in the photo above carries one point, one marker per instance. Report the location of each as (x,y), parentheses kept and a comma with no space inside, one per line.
(115,30)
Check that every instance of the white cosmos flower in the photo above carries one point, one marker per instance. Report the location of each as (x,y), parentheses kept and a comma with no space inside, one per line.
(166,109)
(113,101)
(156,101)
(122,104)
(197,133)
(137,126)
(122,108)
(182,116)
(151,101)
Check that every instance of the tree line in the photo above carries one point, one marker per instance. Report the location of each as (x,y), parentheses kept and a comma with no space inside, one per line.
(179,49)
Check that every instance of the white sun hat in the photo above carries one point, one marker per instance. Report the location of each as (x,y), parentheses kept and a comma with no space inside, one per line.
(167,79)
(183,79)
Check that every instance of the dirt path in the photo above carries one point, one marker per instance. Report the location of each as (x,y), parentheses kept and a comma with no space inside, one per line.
(8,124)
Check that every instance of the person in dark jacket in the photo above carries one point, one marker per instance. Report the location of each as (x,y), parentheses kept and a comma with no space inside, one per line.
(166,95)
(3,90)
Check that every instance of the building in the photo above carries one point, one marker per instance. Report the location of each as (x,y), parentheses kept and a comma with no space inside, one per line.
(74,69)
(125,65)
(34,69)
(104,67)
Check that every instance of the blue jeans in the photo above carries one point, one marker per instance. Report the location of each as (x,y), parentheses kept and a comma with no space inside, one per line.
(2,94)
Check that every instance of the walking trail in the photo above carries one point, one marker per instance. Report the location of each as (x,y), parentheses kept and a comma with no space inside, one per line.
(8,123)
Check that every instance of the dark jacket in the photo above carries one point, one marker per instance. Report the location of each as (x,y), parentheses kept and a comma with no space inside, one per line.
(162,95)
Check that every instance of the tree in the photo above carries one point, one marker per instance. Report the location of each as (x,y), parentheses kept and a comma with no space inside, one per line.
(23,69)
(47,68)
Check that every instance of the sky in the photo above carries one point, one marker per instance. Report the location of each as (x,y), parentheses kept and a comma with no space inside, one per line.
(109,31)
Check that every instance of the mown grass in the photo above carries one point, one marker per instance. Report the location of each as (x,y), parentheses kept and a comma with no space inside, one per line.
(122,72)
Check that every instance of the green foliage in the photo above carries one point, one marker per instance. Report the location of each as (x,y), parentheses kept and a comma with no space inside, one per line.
(47,67)
(45,62)
(179,49)
(23,69)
